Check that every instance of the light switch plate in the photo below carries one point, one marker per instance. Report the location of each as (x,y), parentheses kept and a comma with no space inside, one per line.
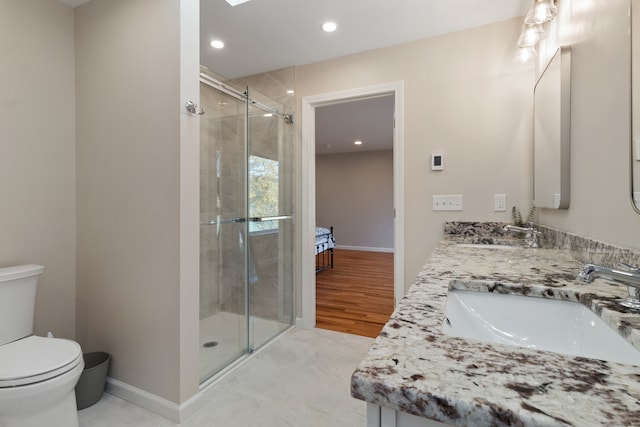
(447,203)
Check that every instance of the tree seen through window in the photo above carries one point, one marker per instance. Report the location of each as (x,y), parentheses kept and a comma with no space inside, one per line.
(263,192)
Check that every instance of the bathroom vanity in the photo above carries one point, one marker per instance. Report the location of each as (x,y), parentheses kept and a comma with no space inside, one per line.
(416,375)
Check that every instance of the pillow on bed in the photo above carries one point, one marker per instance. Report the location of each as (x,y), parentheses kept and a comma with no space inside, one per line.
(321,230)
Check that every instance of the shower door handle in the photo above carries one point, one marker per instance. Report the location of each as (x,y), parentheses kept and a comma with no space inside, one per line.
(242,219)
(269,218)
(223,221)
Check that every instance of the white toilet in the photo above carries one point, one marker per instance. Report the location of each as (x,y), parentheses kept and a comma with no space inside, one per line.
(37,374)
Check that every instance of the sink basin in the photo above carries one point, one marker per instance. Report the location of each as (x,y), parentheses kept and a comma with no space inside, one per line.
(560,326)
(485,246)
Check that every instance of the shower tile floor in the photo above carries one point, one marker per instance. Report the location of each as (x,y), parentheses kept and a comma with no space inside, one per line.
(228,331)
(300,379)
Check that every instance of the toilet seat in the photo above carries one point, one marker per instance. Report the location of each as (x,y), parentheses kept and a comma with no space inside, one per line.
(34,359)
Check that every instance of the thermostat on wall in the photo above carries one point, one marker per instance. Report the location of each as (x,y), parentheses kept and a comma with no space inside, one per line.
(437,161)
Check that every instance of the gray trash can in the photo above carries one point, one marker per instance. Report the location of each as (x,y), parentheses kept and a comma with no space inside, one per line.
(93,379)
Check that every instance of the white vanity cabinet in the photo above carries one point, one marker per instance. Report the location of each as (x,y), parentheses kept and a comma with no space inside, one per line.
(379,416)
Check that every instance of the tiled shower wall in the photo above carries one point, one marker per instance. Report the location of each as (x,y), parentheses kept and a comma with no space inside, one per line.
(221,197)
(222,177)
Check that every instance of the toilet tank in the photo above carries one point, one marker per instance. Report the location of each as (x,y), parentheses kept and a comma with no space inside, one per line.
(17,301)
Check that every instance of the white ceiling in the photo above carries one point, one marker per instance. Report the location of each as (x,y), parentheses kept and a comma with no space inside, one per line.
(368,120)
(265,35)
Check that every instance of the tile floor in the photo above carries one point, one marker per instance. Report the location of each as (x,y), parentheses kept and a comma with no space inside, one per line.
(299,380)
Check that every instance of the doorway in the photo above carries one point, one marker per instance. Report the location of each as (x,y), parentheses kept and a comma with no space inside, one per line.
(309,104)
(354,198)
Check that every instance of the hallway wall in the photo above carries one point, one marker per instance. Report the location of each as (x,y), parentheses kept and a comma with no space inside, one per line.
(354,194)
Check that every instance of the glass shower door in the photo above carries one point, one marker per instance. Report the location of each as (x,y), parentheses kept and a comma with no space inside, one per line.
(246,224)
(270,205)
(223,231)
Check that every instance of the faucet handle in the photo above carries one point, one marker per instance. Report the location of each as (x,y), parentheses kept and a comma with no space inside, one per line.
(629,268)
(586,274)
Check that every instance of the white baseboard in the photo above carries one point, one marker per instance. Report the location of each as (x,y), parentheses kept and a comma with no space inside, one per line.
(159,405)
(364,248)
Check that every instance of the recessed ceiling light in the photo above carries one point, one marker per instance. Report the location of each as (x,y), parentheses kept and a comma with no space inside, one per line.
(357,142)
(290,92)
(329,27)
(217,44)
(236,2)
(268,115)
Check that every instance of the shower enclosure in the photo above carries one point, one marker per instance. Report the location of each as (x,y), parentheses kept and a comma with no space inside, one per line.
(246,223)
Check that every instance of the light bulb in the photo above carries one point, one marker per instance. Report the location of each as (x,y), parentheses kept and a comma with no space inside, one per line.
(531,35)
(524,54)
(544,11)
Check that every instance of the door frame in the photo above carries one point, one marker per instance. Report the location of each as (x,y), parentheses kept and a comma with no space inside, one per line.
(308,172)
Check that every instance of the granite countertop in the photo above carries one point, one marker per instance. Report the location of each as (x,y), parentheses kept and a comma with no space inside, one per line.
(414,368)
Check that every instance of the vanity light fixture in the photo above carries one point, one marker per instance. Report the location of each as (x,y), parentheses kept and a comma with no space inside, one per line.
(329,27)
(217,44)
(524,54)
(357,142)
(532,32)
(543,11)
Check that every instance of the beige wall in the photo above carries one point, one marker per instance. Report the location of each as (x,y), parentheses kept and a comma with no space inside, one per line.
(463,96)
(354,194)
(37,153)
(598,34)
(128,148)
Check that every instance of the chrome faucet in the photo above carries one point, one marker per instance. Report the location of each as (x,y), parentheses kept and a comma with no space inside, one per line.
(531,236)
(628,275)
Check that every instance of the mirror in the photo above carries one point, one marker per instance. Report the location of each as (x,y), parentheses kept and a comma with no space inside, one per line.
(635,104)
(552,133)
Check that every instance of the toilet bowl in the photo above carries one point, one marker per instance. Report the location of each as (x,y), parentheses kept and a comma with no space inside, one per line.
(37,374)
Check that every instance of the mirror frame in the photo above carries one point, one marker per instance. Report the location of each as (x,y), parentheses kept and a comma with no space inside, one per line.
(634,101)
(562,54)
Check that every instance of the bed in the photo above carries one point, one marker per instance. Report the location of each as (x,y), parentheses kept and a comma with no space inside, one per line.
(324,248)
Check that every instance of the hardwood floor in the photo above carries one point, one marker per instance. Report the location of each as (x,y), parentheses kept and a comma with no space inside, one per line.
(356,296)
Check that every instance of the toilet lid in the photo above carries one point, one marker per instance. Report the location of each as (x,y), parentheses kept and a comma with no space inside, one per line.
(34,359)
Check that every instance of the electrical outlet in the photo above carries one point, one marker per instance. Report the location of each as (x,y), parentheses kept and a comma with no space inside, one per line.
(447,203)
(499,202)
